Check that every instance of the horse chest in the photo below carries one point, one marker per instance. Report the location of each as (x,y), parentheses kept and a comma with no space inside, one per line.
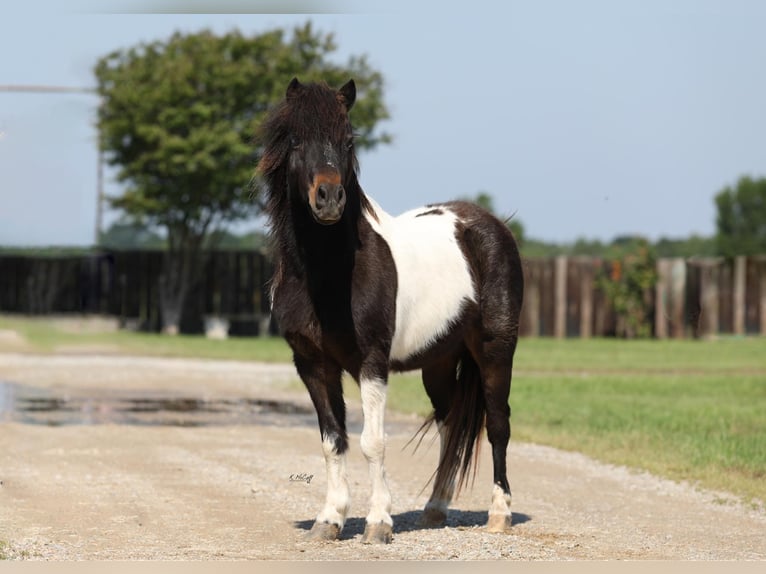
(318,325)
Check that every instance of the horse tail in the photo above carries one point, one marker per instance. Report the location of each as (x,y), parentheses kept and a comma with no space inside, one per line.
(463,425)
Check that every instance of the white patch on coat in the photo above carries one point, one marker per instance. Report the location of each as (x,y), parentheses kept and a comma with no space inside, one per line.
(433,276)
(373,443)
(337,501)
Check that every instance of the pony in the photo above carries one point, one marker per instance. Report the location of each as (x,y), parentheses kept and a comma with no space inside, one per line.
(355,289)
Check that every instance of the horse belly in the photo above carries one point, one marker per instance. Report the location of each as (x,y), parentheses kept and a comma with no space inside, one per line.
(433,280)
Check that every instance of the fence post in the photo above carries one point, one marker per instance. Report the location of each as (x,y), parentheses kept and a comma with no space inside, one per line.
(709,276)
(762,285)
(670,298)
(678,281)
(661,308)
(586,298)
(738,295)
(530,308)
(560,298)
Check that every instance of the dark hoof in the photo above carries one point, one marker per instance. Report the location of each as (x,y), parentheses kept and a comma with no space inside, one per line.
(500,523)
(432,518)
(323,531)
(380,533)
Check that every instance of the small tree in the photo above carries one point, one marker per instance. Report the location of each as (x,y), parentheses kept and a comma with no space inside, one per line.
(178,118)
(628,285)
(741,219)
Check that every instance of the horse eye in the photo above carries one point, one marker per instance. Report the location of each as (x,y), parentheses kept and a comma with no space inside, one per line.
(349,141)
(295,143)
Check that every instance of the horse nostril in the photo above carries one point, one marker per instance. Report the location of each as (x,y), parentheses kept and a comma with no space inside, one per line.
(341,194)
(322,193)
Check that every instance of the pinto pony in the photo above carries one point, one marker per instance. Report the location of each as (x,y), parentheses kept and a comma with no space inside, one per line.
(438,288)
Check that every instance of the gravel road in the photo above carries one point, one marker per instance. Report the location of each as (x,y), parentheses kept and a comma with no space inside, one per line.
(123,458)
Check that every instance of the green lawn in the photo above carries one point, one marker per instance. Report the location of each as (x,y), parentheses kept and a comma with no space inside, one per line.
(689,410)
(45,336)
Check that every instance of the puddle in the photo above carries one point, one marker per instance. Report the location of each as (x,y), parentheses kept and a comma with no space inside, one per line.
(37,406)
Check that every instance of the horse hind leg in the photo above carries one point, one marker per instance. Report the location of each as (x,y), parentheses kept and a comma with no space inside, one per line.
(497,386)
(439,381)
(435,512)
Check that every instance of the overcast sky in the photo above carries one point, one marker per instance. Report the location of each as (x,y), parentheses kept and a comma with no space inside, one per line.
(585,119)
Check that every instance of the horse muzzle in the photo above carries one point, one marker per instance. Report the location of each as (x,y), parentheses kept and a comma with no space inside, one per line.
(327,199)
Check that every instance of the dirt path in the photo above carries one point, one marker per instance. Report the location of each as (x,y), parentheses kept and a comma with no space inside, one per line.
(220,486)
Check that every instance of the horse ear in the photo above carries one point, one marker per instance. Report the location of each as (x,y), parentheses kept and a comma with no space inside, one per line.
(292,88)
(347,94)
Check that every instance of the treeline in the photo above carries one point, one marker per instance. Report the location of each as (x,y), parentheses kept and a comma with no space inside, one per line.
(123,236)
(619,248)
(694,246)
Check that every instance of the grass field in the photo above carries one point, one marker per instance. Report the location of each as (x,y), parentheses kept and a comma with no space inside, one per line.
(46,336)
(688,410)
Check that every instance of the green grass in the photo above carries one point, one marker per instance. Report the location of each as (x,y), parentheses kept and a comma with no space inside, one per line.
(688,410)
(45,336)
(706,428)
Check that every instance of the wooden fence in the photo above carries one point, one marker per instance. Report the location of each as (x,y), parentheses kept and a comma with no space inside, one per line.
(125,284)
(692,298)
(698,297)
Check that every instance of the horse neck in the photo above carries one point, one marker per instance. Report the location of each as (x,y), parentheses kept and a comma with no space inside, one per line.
(320,253)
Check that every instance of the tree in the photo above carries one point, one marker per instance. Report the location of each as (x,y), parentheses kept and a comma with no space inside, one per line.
(483,199)
(741,219)
(695,245)
(628,284)
(178,119)
(130,235)
(589,247)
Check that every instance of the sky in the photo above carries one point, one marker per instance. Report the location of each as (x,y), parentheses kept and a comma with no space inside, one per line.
(587,119)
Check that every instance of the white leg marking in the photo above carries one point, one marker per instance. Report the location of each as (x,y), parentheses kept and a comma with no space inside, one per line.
(336,504)
(501,502)
(374,446)
(500,518)
(441,500)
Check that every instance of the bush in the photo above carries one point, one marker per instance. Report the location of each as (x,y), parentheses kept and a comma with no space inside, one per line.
(629,284)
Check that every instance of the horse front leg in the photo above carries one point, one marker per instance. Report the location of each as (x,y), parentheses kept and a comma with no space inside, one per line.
(323,381)
(379,524)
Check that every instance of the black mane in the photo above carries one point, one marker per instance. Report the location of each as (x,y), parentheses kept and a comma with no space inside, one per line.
(305,118)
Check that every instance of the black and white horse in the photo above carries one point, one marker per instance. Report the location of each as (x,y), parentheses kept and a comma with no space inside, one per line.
(355,289)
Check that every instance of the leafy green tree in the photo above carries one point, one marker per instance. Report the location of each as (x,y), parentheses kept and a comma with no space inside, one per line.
(741,219)
(628,284)
(178,117)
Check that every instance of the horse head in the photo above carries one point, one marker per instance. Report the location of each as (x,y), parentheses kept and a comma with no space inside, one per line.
(311,137)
